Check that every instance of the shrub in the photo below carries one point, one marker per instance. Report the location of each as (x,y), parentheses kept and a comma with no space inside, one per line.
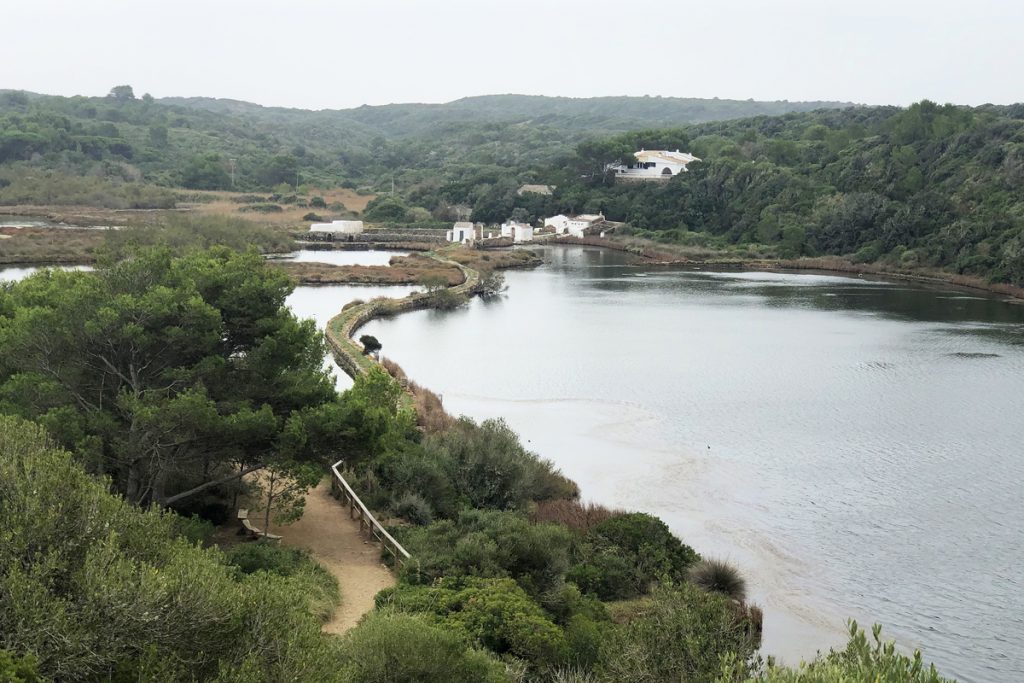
(413,508)
(318,202)
(489,544)
(400,648)
(262,208)
(572,513)
(860,661)
(719,576)
(624,555)
(15,669)
(313,217)
(679,634)
(495,613)
(491,469)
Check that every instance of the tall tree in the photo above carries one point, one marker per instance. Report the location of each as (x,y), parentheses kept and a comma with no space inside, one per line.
(167,373)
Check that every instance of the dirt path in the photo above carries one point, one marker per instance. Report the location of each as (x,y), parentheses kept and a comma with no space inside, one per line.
(326,531)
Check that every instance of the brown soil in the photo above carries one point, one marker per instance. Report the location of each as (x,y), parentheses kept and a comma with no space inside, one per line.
(335,542)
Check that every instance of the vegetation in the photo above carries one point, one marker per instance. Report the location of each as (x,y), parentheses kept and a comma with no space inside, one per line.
(928,186)
(718,576)
(167,373)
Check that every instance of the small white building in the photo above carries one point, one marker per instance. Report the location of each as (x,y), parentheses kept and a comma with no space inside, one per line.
(338,227)
(653,165)
(574,226)
(462,232)
(519,232)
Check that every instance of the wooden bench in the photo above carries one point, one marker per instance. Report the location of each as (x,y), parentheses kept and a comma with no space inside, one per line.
(248,528)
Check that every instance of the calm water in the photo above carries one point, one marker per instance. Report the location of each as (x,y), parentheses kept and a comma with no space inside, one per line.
(854,446)
(346,258)
(15,273)
(324,302)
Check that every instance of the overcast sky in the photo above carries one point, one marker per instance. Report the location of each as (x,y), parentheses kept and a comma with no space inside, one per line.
(337,53)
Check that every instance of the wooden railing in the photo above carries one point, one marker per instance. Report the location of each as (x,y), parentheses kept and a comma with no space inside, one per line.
(367,522)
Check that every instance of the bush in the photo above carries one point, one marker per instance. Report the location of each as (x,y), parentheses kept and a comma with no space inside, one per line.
(624,555)
(413,508)
(399,648)
(15,669)
(317,202)
(313,217)
(679,634)
(491,469)
(95,588)
(718,576)
(572,514)
(860,661)
(262,208)
(494,613)
(489,544)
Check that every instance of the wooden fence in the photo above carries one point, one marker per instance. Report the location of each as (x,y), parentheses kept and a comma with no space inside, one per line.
(367,522)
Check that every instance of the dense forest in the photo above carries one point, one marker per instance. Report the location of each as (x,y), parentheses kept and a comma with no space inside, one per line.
(191,142)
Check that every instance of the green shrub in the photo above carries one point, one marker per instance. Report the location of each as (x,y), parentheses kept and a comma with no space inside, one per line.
(860,661)
(623,555)
(93,586)
(15,669)
(495,613)
(317,202)
(488,544)
(413,508)
(400,648)
(678,634)
(490,468)
(720,577)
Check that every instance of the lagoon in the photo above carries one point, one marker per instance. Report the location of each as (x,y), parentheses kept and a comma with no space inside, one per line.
(853,444)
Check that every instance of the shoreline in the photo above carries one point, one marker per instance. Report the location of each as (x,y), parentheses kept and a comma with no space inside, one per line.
(823,264)
(803,622)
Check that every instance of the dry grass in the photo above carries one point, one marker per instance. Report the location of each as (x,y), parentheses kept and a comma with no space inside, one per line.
(572,513)
(486,261)
(404,270)
(231,204)
(49,245)
(430,412)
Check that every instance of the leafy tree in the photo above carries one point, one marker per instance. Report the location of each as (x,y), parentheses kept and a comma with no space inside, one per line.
(122,93)
(169,374)
(97,589)
(205,172)
(370,344)
(282,490)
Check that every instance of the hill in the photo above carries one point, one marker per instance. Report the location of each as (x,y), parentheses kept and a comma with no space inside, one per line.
(191,142)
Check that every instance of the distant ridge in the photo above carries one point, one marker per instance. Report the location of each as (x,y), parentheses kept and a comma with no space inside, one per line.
(592,114)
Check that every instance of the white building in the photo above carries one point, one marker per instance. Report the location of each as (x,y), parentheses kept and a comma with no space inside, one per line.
(574,226)
(338,227)
(462,232)
(519,232)
(653,165)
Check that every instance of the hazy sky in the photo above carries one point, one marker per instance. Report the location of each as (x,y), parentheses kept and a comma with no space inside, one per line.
(337,53)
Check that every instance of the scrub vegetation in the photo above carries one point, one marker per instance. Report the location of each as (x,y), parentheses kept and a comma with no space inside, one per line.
(135,399)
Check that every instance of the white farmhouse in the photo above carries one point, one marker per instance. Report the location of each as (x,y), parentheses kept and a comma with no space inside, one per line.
(653,165)
(574,226)
(519,232)
(462,232)
(338,227)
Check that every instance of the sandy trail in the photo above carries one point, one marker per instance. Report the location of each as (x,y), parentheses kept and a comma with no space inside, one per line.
(334,540)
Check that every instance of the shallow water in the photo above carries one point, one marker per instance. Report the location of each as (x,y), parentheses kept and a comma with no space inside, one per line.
(339,257)
(15,273)
(323,302)
(853,445)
